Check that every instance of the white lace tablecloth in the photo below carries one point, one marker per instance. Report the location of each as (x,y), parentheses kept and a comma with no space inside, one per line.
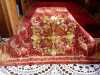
(52,69)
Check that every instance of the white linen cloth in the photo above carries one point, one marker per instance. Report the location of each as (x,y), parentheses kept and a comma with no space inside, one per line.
(51,69)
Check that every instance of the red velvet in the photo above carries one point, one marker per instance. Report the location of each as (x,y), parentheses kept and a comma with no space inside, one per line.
(83,18)
(22,50)
(92,2)
(80,14)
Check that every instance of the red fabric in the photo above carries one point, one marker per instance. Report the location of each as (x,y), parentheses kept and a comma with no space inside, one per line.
(83,18)
(92,2)
(41,12)
(49,35)
(72,5)
(81,15)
